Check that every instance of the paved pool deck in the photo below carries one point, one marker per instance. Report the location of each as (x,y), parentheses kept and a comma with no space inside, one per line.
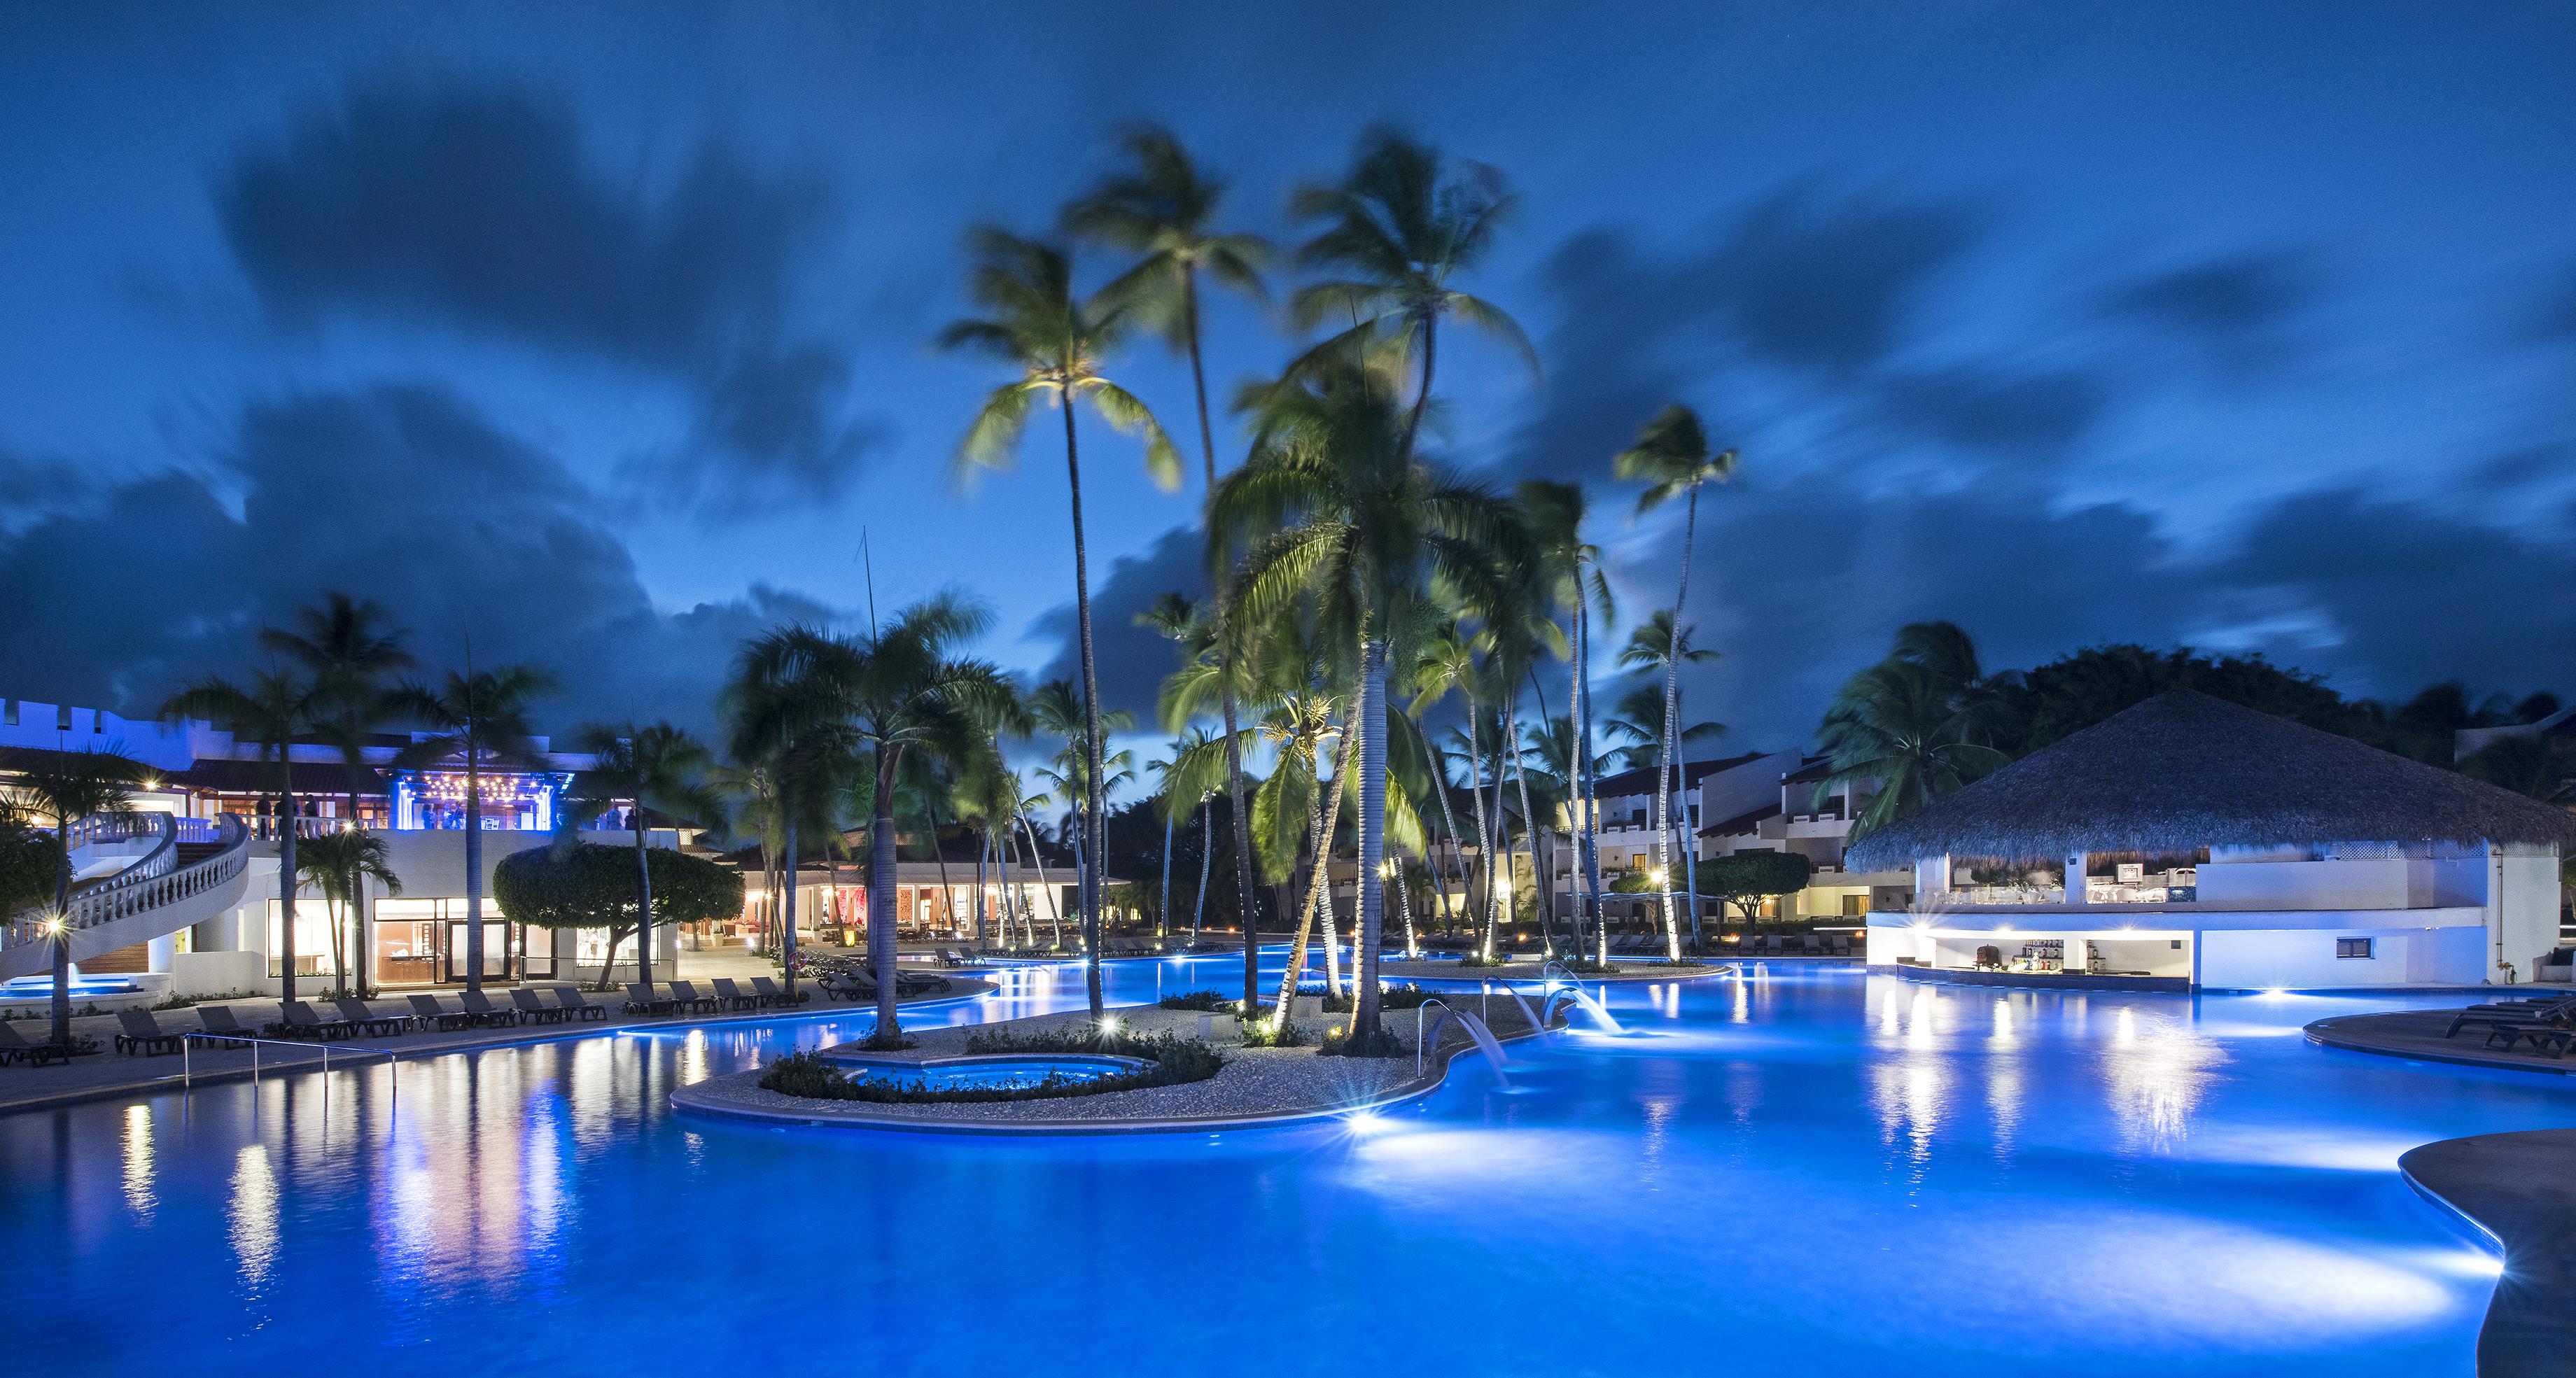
(2417,1035)
(108,1074)
(2521,1190)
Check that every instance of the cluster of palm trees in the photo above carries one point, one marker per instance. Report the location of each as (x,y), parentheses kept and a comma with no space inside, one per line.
(1348,562)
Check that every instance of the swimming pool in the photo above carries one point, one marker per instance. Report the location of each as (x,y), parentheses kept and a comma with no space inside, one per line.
(987,1073)
(1810,1171)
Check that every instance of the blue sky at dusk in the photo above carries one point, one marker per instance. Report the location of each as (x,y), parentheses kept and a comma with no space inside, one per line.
(602,332)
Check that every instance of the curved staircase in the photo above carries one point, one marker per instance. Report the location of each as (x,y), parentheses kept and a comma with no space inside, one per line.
(196,869)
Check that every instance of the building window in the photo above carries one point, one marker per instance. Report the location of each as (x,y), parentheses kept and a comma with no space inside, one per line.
(2352,947)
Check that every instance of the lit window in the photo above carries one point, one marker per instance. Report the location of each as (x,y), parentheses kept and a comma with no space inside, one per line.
(2352,947)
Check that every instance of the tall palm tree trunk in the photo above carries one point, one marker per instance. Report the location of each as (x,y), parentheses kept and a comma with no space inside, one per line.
(1037,859)
(1404,905)
(1243,876)
(643,900)
(58,1010)
(787,911)
(881,918)
(1510,911)
(1163,909)
(1207,850)
(1542,884)
(1319,841)
(1091,820)
(1371,724)
(473,869)
(1484,830)
(1306,919)
(1589,848)
(983,898)
(1671,744)
(1449,820)
(286,883)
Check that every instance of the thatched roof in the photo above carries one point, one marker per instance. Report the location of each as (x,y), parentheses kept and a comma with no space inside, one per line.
(2183,771)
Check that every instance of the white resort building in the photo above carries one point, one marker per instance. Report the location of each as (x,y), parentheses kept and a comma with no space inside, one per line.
(181,896)
(2190,843)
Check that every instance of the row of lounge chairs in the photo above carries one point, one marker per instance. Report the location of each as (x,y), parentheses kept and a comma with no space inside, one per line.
(862,985)
(2549,1026)
(683,997)
(141,1032)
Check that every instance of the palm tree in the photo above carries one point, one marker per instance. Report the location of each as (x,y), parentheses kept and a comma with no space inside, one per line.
(1571,569)
(339,865)
(1446,661)
(1162,206)
(1362,530)
(900,689)
(1401,224)
(273,710)
(81,786)
(483,718)
(1214,663)
(352,659)
(1059,344)
(1672,457)
(1918,723)
(1059,709)
(658,768)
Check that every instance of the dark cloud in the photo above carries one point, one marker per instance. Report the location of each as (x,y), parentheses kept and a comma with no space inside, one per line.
(1991,410)
(478,209)
(32,487)
(1824,284)
(2405,596)
(1800,583)
(2242,309)
(402,494)
(1130,660)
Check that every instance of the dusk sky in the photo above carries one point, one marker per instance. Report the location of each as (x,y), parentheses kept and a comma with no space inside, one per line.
(602,334)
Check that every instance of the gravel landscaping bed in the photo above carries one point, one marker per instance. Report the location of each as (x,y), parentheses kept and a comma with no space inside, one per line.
(1255,1085)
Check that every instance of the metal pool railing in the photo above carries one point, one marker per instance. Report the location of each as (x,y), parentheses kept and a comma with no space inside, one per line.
(187,1061)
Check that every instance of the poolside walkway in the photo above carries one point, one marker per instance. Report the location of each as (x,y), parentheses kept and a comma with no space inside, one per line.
(1448,969)
(108,1074)
(2520,1188)
(2417,1034)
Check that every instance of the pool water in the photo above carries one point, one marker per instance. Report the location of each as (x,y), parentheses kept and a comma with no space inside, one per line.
(994,1074)
(1809,1171)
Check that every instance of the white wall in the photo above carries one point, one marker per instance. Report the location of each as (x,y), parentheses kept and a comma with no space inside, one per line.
(2304,959)
(2525,924)
(2375,883)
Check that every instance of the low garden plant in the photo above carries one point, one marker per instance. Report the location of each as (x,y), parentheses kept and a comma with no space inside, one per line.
(1169,1061)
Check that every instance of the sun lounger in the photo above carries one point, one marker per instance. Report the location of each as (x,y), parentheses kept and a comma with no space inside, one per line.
(949,958)
(572,1001)
(480,1006)
(1812,945)
(299,1020)
(144,1034)
(218,1022)
(529,1006)
(735,997)
(2544,1038)
(686,993)
(370,1023)
(642,998)
(778,996)
(14,1047)
(447,1020)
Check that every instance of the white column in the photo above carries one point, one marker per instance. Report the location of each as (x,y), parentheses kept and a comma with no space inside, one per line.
(2075,878)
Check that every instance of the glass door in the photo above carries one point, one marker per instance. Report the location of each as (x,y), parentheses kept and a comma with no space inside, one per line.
(496,951)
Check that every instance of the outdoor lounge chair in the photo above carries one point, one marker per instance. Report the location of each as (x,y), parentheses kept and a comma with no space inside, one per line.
(144,1034)
(687,994)
(300,1020)
(735,997)
(838,985)
(2544,1038)
(641,999)
(480,1006)
(529,1006)
(1838,946)
(14,1047)
(1812,945)
(2560,1012)
(770,988)
(948,958)
(217,1021)
(573,1002)
(447,1020)
(370,1023)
